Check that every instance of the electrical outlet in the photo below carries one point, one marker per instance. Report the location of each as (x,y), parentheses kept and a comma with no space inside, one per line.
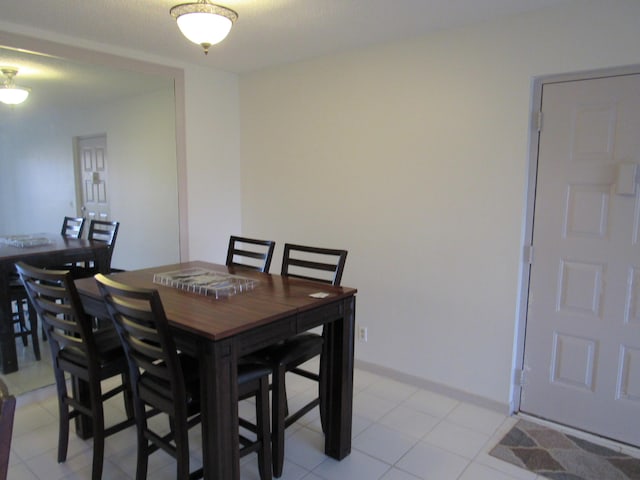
(363,334)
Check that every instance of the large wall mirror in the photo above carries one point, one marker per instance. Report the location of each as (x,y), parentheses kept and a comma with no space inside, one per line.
(75,94)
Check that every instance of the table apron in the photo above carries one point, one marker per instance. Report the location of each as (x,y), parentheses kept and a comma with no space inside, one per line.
(303,321)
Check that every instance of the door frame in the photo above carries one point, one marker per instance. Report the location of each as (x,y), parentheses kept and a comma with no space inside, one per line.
(519,374)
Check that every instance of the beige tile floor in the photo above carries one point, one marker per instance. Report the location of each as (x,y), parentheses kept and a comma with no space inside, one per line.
(400,432)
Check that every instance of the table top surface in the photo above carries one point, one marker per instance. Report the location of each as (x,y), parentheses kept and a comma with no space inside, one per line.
(272,298)
(56,243)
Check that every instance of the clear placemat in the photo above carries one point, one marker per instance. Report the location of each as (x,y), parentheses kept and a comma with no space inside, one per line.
(206,282)
(24,241)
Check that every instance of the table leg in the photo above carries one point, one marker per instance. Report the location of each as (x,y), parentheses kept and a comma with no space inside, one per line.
(80,391)
(339,408)
(101,261)
(8,355)
(219,402)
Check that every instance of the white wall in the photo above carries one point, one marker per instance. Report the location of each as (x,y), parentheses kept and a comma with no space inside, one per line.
(36,174)
(213,161)
(37,181)
(414,157)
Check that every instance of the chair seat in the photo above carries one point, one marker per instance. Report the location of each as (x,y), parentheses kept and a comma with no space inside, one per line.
(154,390)
(249,372)
(109,351)
(108,343)
(294,350)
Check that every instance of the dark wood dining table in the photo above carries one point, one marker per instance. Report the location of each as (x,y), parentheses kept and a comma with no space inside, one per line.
(220,331)
(58,251)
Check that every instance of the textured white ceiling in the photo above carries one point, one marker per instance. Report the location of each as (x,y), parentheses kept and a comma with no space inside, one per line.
(268,32)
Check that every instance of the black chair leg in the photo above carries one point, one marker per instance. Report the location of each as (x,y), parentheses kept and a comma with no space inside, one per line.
(98,446)
(142,463)
(182,452)
(322,389)
(63,413)
(278,417)
(33,329)
(262,423)
(143,458)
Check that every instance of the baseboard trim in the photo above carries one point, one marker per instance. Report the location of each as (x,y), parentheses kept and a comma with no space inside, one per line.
(460,395)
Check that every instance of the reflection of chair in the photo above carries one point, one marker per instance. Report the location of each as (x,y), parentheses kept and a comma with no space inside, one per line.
(72,227)
(166,381)
(24,310)
(88,356)
(254,254)
(310,263)
(7,413)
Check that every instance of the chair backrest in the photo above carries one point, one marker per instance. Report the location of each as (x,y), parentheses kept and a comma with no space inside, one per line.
(141,322)
(69,330)
(7,413)
(72,227)
(250,253)
(312,263)
(106,232)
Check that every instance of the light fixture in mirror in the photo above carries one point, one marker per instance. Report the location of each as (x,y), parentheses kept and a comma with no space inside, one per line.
(204,23)
(10,93)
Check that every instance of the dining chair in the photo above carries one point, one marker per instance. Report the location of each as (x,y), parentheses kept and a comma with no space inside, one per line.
(250,253)
(166,381)
(77,350)
(99,231)
(323,265)
(7,414)
(72,227)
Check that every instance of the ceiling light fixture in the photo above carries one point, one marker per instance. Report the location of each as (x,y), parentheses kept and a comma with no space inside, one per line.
(10,93)
(204,23)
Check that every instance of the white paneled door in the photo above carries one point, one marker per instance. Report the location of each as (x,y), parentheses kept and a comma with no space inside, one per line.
(582,347)
(92,171)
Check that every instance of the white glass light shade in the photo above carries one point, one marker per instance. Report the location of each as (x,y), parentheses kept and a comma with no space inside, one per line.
(13,95)
(204,23)
(204,28)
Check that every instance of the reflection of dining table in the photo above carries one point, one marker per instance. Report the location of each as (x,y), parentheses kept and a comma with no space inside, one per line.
(220,331)
(42,250)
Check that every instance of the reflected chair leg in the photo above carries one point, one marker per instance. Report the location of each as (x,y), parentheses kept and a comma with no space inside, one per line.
(22,326)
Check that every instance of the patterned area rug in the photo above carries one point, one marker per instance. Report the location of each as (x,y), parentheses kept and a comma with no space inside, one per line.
(560,456)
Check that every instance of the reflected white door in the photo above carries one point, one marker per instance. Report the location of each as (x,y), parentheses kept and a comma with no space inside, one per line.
(582,348)
(92,177)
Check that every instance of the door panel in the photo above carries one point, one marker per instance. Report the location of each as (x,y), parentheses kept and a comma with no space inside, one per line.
(582,347)
(92,166)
